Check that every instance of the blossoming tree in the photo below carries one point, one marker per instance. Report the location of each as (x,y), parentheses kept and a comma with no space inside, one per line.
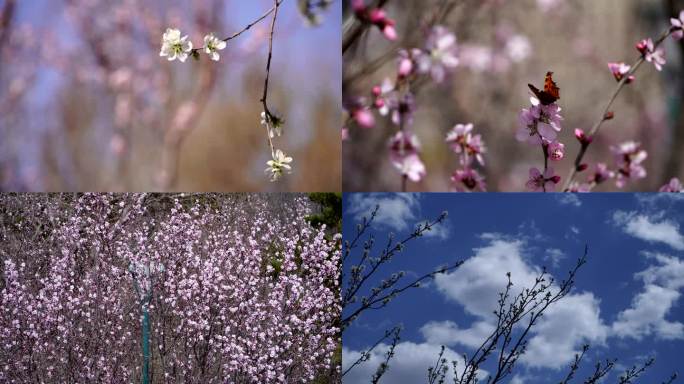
(496,352)
(172,288)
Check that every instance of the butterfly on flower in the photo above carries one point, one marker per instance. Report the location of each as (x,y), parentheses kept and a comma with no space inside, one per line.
(550,94)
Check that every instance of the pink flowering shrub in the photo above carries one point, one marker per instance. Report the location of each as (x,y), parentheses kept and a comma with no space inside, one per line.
(448,65)
(242,289)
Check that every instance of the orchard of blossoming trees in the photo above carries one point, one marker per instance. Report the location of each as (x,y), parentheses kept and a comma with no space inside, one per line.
(434,94)
(236,288)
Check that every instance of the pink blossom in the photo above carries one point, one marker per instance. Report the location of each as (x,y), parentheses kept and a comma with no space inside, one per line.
(441,54)
(361,113)
(462,141)
(405,64)
(465,180)
(405,155)
(628,157)
(601,174)
(375,16)
(656,57)
(677,24)
(542,182)
(386,98)
(642,46)
(651,54)
(674,185)
(619,70)
(379,18)
(539,122)
(582,137)
(556,150)
(410,166)
(404,143)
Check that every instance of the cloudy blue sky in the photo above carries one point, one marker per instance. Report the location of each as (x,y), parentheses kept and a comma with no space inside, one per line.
(626,303)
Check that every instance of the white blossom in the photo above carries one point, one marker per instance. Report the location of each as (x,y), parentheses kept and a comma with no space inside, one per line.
(174,46)
(279,165)
(212,45)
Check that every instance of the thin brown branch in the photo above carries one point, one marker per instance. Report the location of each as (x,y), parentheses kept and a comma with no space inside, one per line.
(264,97)
(595,128)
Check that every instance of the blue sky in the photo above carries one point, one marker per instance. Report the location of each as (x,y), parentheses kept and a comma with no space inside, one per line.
(626,302)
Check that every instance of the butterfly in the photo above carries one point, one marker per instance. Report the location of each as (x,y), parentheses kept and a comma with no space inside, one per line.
(550,93)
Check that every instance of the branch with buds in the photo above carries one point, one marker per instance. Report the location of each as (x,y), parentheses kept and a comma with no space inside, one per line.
(175,46)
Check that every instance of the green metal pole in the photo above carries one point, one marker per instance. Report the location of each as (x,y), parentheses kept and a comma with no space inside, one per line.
(146,346)
(145,376)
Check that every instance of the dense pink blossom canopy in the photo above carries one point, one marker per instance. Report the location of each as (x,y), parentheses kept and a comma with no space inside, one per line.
(243,288)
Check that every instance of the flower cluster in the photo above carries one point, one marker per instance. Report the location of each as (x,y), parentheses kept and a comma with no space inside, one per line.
(376,17)
(239,288)
(405,155)
(395,100)
(542,182)
(279,163)
(469,148)
(176,47)
(539,126)
(628,159)
(440,54)
(653,55)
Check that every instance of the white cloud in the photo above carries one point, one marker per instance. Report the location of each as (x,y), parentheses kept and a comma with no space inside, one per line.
(651,199)
(448,333)
(650,228)
(562,330)
(529,230)
(572,233)
(668,272)
(554,255)
(476,286)
(397,211)
(569,199)
(477,282)
(517,379)
(408,366)
(646,315)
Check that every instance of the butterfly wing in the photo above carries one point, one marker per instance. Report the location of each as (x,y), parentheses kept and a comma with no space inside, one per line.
(551,92)
(534,90)
(550,87)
